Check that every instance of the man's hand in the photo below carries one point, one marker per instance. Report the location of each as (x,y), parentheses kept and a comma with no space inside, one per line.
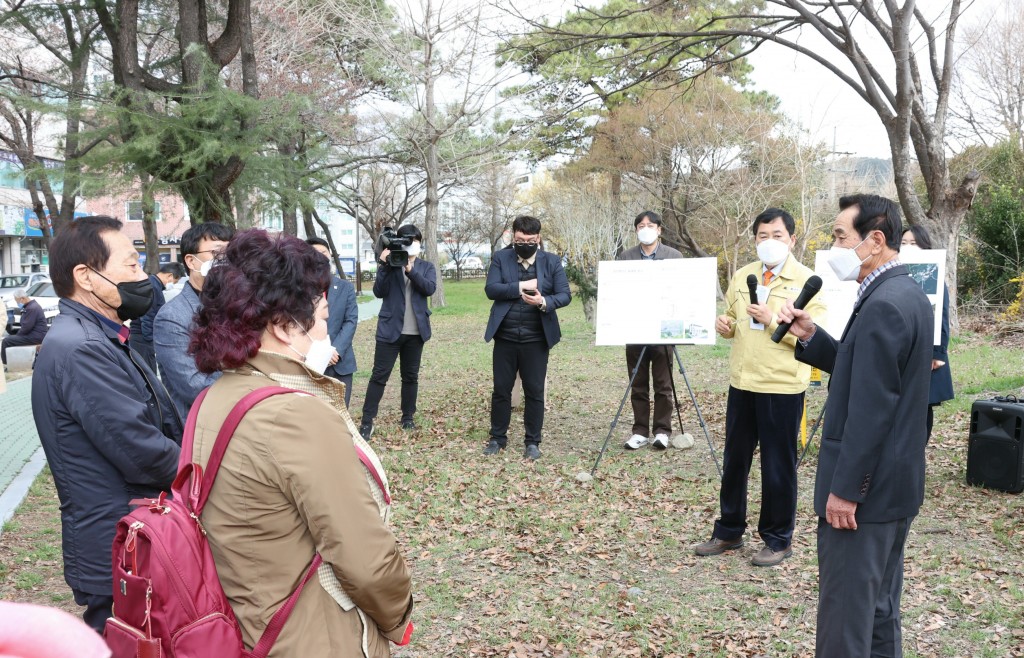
(840,513)
(936,364)
(761,313)
(723,325)
(384,256)
(335,357)
(802,326)
(527,285)
(535,299)
(408,266)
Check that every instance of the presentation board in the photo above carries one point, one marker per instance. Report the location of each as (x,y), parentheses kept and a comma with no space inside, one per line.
(656,302)
(927,267)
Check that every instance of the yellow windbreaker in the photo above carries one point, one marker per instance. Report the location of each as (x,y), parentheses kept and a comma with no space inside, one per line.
(757,364)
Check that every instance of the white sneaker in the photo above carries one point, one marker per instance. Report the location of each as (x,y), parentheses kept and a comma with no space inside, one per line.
(660,442)
(635,442)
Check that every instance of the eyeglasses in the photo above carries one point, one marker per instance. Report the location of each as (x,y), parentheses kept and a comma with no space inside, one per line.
(526,244)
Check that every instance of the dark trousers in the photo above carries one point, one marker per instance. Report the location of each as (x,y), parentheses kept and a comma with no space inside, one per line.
(347,381)
(146,350)
(408,348)
(530,360)
(98,608)
(656,365)
(14,341)
(773,421)
(860,574)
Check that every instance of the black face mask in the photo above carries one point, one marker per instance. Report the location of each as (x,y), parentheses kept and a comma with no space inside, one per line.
(525,251)
(136,298)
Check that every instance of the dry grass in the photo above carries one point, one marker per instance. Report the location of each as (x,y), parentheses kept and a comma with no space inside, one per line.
(518,558)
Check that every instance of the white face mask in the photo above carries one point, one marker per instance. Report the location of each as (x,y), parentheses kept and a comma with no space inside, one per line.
(845,262)
(772,252)
(414,248)
(204,267)
(647,235)
(319,355)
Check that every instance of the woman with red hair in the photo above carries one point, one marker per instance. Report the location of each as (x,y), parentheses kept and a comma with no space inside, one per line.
(292,482)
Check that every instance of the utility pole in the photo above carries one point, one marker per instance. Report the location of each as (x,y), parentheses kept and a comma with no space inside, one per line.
(832,169)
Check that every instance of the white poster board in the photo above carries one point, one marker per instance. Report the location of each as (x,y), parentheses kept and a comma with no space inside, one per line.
(656,302)
(927,267)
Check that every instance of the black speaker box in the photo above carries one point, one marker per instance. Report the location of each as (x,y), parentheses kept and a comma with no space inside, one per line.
(995,447)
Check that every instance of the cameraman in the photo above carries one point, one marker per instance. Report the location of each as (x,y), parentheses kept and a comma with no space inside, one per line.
(403,325)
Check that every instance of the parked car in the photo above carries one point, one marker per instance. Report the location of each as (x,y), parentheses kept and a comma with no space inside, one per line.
(469,264)
(12,282)
(43,293)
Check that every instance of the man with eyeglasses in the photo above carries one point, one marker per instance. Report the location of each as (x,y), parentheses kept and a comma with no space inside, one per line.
(527,286)
(173,324)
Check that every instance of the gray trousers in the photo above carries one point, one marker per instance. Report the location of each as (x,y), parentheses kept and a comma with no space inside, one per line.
(860,577)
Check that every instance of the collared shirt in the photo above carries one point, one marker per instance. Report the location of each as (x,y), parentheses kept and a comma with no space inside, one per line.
(527,262)
(644,256)
(122,330)
(869,279)
(774,270)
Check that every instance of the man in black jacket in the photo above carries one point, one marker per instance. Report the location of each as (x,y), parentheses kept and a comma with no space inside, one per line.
(33,325)
(527,286)
(108,428)
(870,481)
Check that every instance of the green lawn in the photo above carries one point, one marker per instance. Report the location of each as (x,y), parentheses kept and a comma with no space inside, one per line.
(517,558)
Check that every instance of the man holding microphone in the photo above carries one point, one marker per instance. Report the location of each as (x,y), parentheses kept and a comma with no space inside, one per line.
(766,393)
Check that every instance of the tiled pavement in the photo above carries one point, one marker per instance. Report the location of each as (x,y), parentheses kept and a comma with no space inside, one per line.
(18,444)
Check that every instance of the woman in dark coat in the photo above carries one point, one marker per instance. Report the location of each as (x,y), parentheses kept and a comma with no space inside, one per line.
(942,378)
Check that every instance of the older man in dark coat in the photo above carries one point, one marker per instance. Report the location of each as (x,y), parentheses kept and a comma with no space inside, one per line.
(870,481)
(33,325)
(107,426)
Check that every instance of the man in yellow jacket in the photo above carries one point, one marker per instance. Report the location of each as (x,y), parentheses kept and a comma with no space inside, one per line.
(766,394)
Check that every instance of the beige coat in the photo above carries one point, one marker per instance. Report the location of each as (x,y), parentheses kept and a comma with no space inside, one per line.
(291,484)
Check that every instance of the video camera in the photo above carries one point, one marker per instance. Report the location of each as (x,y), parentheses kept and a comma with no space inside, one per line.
(398,245)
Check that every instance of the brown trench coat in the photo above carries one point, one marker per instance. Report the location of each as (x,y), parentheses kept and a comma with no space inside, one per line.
(292,484)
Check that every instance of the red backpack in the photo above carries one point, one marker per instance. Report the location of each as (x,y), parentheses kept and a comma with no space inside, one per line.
(168,600)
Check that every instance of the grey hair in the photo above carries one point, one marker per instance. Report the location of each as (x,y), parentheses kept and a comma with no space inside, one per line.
(20,293)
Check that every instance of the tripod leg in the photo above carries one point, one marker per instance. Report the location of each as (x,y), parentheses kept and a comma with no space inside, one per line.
(675,397)
(615,421)
(696,407)
(810,439)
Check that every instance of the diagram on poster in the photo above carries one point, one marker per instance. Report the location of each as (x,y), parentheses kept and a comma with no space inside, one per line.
(927,267)
(651,302)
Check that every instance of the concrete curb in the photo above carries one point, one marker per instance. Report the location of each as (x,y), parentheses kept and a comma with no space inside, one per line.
(16,492)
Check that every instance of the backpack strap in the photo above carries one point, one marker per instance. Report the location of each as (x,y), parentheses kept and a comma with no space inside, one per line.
(363,457)
(269,637)
(202,483)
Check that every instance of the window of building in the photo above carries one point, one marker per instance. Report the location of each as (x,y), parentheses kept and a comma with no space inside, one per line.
(133,211)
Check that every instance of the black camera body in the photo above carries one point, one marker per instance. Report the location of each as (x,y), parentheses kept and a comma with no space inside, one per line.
(398,246)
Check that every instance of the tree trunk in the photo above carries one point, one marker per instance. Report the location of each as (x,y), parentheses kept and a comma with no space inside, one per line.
(431,168)
(149,225)
(289,218)
(205,204)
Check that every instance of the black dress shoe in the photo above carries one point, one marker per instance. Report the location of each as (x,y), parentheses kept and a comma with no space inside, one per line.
(531,452)
(493,447)
(366,430)
(409,425)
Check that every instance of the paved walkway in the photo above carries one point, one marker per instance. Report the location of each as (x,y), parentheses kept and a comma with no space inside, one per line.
(21,457)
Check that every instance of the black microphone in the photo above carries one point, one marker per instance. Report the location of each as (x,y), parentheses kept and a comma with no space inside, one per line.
(752,287)
(810,289)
